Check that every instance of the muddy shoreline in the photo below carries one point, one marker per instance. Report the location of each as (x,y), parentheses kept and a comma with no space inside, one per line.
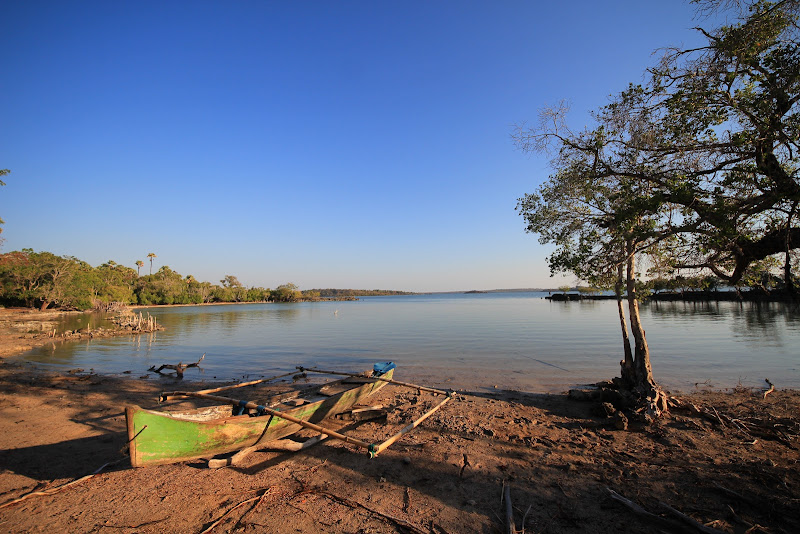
(739,472)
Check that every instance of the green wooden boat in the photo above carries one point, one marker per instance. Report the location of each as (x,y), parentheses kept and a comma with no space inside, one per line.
(158,437)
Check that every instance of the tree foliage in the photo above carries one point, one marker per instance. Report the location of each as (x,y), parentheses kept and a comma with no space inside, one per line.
(43,279)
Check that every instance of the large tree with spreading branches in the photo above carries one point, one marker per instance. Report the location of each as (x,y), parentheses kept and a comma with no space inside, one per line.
(697,167)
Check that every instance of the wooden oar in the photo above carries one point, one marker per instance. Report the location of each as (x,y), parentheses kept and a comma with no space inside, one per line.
(275,413)
(376,449)
(177,394)
(387,380)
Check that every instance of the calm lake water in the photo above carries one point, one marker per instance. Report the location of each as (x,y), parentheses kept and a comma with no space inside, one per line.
(471,341)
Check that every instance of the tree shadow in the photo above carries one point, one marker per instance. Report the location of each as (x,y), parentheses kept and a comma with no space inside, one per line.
(65,459)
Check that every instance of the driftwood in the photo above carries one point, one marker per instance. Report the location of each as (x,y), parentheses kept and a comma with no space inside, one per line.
(511,527)
(632,505)
(771,387)
(688,520)
(654,517)
(179,368)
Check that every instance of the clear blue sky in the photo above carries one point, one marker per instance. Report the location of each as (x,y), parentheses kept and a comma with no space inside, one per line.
(330,144)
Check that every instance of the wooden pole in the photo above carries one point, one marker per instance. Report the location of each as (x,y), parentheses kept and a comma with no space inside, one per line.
(387,380)
(275,413)
(407,429)
(277,444)
(511,528)
(172,395)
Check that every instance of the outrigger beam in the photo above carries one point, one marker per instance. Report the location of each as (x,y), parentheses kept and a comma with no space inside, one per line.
(411,426)
(172,395)
(387,380)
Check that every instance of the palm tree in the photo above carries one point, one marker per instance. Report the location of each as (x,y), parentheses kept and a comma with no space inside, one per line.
(139,265)
(151,256)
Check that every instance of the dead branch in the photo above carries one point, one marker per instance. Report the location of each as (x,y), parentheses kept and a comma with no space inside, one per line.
(771,387)
(179,368)
(631,505)
(511,528)
(136,323)
(355,504)
(59,488)
(688,520)
(226,514)
(732,493)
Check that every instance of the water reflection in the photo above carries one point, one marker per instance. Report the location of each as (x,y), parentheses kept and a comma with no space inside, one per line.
(518,340)
(770,323)
(83,320)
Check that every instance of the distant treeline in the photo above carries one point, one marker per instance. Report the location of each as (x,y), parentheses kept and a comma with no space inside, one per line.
(759,285)
(43,280)
(339,293)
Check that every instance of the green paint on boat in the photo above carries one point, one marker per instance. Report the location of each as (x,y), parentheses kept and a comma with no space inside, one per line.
(162,437)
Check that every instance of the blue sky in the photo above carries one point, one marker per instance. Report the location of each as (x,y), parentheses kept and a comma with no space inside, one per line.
(329,144)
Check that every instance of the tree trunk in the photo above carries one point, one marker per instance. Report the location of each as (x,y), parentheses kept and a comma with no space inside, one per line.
(644,384)
(44,305)
(626,365)
(788,282)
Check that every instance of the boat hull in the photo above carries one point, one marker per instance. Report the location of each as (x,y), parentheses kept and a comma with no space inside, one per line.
(157,438)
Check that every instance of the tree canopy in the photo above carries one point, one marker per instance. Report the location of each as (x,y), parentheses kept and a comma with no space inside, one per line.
(43,279)
(700,161)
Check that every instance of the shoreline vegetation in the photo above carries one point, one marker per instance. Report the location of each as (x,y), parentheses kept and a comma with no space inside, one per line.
(44,280)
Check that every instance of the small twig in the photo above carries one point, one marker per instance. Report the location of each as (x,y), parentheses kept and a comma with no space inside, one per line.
(218,521)
(719,418)
(525,517)
(260,499)
(266,492)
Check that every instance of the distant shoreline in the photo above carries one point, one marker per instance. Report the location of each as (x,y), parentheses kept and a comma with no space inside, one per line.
(699,296)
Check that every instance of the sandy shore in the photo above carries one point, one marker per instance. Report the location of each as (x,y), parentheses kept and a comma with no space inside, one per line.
(559,458)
